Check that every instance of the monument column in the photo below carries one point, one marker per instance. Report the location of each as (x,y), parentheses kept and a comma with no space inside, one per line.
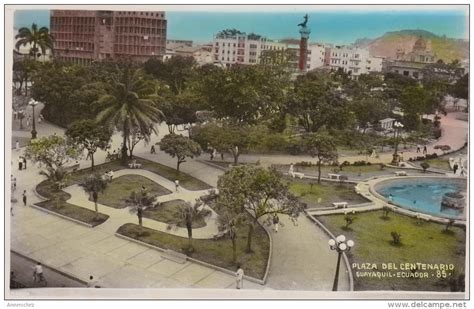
(304,32)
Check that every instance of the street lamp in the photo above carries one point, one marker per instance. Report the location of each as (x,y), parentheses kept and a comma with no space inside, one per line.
(396,134)
(341,245)
(33,103)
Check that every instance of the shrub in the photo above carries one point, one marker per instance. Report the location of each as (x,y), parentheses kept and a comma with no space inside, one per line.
(360,163)
(431,156)
(349,220)
(396,238)
(424,166)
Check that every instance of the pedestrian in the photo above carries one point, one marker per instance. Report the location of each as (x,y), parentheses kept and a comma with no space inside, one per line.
(14,183)
(38,272)
(152,150)
(276,223)
(425,150)
(20,164)
(24,198)
(15,114)
(455,168)
(140,215)
(176,184)
(111,175)
(239,278)
(462,171)
(24,163)
(28,122)
(91,283)
(418,148)
(211,151)
(17,145)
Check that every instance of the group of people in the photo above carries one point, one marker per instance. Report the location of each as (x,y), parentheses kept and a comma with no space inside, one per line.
(418,149)
(456,167)
(21,163)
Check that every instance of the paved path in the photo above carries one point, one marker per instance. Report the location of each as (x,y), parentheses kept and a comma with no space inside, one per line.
(121,216)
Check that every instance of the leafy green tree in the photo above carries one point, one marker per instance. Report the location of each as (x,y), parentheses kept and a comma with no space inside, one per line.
(230,223)
(23,71)
(54,152)
(258,191)
(369,110)
(414,102)
(424,166)
(93,185)
(231,138)
(461,88)
(39,39)
(180,109)
(88,135)
(175,72)
(188,213)
(245,94)
(321,146)
(180,147)
(126,106)
(317,103)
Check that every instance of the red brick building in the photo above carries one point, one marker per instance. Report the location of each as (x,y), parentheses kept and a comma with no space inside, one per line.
(84,36)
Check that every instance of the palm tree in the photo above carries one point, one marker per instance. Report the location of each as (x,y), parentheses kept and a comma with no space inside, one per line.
(37,38)
(139,202)
(127,106)
(188,213)
(93,184)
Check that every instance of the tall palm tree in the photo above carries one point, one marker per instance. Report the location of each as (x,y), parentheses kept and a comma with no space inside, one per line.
(127,106)
(93,184)
(188,213)
(140,201)
(37,38)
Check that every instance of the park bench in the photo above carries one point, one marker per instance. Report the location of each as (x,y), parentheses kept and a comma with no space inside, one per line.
(340,204)
(296,174)
(174,256)
(401,173)
(334,176)
(134,165)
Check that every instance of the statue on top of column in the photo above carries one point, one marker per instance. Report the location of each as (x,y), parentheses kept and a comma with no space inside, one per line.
(303,24)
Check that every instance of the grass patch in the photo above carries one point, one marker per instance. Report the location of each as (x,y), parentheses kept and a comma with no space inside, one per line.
(439,163)
(216,252)
(186,181)
(57,203)
(121,187)
(421,242)
(324,194)
(167,212)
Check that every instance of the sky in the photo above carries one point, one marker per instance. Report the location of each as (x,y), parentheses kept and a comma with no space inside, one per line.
(338,25)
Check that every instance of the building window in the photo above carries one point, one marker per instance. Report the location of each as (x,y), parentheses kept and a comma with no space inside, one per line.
(406,73)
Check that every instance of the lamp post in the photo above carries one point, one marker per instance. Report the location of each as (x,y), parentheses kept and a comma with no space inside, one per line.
(33,103)
(341,245)
(396,134)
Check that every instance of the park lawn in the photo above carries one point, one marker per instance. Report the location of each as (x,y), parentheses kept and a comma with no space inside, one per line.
(57,203)
(168,212)
(216,252)
(186,181)
(327,192)
(325,170)
(439,163)
(120,188)
(423,242)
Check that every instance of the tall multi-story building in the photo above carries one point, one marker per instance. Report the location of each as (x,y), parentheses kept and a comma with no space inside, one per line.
(84,36)
(234,47)
(353,60)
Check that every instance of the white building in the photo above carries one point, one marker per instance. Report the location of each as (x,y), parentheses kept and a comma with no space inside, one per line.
(235,47)
(316,56)
(354,60)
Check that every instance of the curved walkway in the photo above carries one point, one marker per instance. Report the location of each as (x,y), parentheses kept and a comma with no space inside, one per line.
(80,198)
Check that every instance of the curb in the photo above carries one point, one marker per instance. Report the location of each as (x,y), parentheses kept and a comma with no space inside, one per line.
(65,274)
(229,272)
(346,260)
(62,216)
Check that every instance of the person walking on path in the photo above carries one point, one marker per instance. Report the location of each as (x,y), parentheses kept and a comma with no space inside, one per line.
(38,273)
(425,150)
(25,199)
(176,184)
(91,283)
(239,278)
(24,163)
(418,148)
(20,164)
(455,168)
(13,183)
(152,150)
(140,216)
(17,145)
(276,223)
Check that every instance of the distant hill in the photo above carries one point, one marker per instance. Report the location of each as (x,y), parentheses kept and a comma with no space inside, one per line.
(445,48)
